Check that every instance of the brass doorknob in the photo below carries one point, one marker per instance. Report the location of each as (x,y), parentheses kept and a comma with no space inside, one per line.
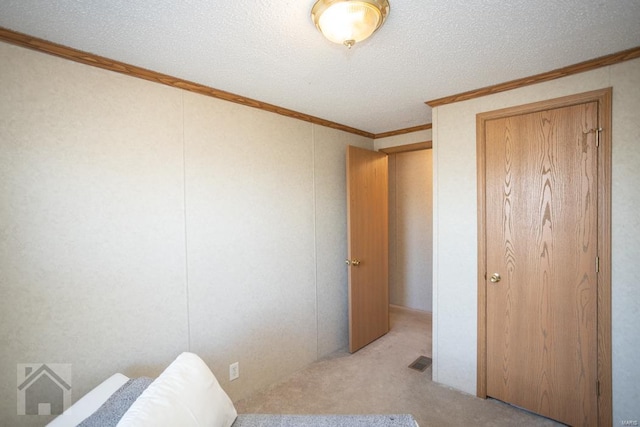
(495,278)
(354,262)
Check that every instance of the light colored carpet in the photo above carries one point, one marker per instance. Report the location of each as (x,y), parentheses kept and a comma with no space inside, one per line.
(377,380)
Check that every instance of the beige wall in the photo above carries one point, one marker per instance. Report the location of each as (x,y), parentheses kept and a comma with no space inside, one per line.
(139,221)
(410,229)
(455,234)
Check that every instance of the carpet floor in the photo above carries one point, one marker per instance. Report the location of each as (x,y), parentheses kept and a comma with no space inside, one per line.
(377,380)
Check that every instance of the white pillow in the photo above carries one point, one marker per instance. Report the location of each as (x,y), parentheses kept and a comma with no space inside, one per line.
(185,394)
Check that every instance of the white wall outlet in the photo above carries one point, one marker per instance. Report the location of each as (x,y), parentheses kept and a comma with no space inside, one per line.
(234,371)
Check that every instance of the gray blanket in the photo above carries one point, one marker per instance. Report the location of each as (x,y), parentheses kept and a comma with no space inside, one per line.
(257,420)
(118,403)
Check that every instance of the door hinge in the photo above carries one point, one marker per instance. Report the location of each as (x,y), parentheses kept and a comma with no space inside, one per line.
(597,264)
(598,387)
(597,131)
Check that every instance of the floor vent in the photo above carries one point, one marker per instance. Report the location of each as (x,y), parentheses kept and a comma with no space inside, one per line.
(421,363)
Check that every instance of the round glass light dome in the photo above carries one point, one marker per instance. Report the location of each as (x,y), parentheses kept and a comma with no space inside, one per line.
(349,21)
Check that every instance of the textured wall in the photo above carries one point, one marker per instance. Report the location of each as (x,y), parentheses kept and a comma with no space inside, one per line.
(455,234)
(331,229)
(250,240)
(139,221)
(625,79)
(410,229)
(92,254)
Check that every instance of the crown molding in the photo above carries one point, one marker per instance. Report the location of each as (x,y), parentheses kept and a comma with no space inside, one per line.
(40,45)
(581,67)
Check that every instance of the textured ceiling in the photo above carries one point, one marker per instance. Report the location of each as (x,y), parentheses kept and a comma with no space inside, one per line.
(269,50)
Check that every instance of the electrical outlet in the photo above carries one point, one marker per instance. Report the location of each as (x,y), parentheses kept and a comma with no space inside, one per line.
(234,371)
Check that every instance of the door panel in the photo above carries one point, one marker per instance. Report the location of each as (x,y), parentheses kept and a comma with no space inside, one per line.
(541,238)
(368,234)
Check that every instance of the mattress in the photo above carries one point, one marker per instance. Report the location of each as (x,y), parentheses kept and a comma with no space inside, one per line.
(92,401)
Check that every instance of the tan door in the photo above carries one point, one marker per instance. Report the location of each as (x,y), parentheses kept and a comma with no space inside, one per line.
(541,239)
(368,231)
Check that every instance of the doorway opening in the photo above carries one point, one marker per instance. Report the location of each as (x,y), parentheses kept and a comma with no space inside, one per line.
(411,232)
(370,308)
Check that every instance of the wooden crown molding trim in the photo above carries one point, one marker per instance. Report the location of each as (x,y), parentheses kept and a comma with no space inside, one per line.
(34,43)
(402,131)
(602,61)
(425,145)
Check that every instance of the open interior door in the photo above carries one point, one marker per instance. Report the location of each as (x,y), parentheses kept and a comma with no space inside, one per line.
(368,246)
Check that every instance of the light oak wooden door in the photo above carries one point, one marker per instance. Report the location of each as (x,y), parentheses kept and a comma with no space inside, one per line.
(368,245)
(541,248)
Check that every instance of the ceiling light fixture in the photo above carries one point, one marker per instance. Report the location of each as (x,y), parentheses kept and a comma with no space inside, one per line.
(349,21)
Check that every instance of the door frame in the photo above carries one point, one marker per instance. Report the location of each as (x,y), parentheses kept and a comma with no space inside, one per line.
(603,98)
(396,149)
